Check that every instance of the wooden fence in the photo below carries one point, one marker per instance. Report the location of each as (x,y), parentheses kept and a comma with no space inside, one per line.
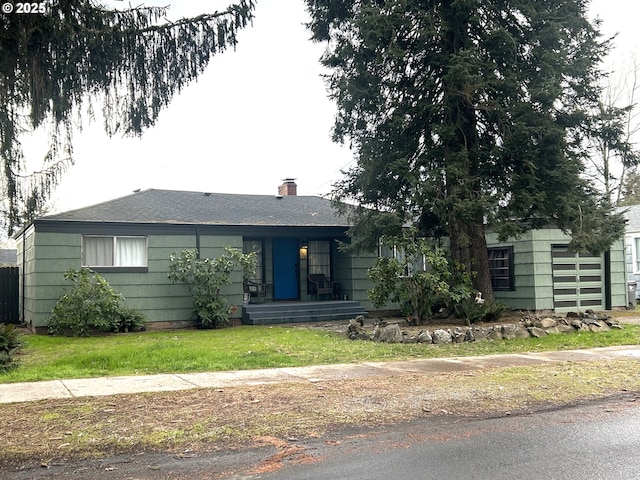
(9,295)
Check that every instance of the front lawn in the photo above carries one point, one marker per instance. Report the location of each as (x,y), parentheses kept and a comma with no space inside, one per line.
(252,347)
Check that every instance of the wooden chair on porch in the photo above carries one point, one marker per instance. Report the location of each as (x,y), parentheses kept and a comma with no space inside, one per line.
(256,291)
(320,285)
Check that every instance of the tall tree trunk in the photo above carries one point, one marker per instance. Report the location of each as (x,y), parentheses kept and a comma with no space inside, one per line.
(468,247)
(480,260)
(467,240)
(459,244)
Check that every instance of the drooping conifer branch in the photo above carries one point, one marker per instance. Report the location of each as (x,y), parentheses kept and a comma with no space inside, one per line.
(80,57)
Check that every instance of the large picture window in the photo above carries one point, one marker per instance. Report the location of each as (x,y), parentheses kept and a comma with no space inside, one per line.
(112,251)
(501,268)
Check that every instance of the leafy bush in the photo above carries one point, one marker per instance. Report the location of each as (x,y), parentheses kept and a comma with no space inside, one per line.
(205,277)
(91,306)
(418,278)
(130,320)
(10,344)
(472,312)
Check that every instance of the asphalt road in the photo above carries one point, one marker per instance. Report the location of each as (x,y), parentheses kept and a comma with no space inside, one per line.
(598,441)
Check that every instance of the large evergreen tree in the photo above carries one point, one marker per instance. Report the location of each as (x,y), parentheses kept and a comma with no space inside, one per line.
(59,65)
(466,115)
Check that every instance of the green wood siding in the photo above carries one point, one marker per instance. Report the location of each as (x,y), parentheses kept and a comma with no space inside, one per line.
(151,291)
(524,294)
(360,283)
(44,257)
(534,286)
(342,268)
(48,257)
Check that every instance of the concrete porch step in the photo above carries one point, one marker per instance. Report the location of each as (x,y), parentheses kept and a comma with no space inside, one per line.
(294,312)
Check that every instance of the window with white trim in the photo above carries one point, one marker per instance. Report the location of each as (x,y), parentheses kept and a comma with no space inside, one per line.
(636,255)
(411,265)
(114,251)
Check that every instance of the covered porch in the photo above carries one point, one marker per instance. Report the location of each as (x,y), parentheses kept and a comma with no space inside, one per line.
(298,268)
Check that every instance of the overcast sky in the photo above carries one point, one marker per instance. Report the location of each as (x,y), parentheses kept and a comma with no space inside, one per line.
(257,115)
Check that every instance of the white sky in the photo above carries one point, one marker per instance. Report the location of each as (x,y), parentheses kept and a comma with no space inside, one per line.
(257,115)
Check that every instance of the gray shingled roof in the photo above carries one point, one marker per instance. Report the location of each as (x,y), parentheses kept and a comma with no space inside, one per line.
(179,207)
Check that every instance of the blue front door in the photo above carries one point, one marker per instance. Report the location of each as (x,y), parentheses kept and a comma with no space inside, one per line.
(285,269)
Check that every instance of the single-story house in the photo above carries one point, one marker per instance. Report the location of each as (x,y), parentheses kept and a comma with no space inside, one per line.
(129,241)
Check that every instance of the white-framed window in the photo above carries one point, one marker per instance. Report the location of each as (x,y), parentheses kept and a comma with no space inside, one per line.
(416,264)
(114,251)
(636,255)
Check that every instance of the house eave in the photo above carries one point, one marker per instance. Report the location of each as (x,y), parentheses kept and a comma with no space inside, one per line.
(180,228)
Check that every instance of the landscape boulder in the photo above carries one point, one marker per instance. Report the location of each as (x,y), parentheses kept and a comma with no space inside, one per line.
(458,335)
(512,331)
(598,326)
(391,334)
(494,333)
(356,330)
(546,322)
(442,336)
(537,332)
(479,333)
(424,337)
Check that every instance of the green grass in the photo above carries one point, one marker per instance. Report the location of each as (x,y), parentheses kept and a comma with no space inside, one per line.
(252,347)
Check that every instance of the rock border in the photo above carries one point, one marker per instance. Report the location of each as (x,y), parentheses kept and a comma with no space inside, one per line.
(531,325)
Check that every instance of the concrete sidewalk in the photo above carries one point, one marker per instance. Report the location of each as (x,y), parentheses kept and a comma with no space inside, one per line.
(26,392)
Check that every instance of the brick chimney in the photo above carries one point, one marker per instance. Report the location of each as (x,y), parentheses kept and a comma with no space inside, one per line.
(288,188)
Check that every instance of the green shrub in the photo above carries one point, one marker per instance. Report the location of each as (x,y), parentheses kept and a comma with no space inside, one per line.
(10,344)
(419,277)
(472,312)
(205,277)
(91,306)
(130,320)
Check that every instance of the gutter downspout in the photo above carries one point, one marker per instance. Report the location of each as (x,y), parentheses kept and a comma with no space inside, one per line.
(197,242)
(607,280)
